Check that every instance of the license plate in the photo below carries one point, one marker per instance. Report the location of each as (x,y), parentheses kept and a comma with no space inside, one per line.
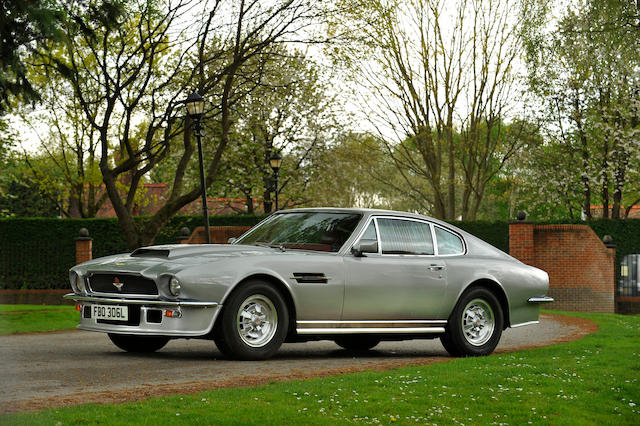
(110,312)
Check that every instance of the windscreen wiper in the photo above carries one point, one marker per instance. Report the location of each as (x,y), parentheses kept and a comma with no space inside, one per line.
(269,245)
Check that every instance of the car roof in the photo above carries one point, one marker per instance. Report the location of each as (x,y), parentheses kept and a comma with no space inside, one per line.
(367,212)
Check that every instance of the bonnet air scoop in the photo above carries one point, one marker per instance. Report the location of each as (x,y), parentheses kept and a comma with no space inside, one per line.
(147,252)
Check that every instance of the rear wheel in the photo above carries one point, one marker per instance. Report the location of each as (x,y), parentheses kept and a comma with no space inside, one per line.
(254,322)
(475,325)
(140,344)
(357,342)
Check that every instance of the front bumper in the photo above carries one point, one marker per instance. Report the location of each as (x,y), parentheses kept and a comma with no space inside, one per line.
(195,318)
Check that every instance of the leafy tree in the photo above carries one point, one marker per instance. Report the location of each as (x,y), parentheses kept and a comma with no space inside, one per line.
(130,79)
(290,113)
(439,79)
(22,197)
(585,72)
(25,26)
(65,165)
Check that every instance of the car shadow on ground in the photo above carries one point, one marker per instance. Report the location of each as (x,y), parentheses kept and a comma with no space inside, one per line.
(289,353)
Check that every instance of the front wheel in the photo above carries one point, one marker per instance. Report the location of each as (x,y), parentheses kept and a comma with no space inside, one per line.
(254,322)
(140,344)
(475,325)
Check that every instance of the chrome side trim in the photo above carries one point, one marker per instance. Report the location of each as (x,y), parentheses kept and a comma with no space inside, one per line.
(525,323)
(544,299)
(371,330)
(390,322)
(176,303)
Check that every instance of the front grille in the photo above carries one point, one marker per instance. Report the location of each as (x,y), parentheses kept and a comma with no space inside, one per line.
(128,284)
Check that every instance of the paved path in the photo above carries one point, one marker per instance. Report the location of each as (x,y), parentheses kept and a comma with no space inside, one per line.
(66,368)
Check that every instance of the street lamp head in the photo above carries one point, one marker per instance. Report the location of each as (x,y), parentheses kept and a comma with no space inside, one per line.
(275,161)
(195,105)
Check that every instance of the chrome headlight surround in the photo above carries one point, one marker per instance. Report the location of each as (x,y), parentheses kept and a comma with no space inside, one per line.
(77,282)
(174,286)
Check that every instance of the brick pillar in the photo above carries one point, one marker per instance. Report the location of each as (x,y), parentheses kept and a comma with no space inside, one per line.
(521,243)
(611,251)
(84,246)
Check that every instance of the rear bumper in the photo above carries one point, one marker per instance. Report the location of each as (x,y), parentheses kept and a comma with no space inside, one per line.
(544,299)
(190,318)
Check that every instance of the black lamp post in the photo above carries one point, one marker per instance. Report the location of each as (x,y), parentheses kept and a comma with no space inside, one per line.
(195,109)
(275,161)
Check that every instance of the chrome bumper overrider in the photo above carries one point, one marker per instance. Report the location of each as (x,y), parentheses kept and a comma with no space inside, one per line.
(155,302)
(544,299)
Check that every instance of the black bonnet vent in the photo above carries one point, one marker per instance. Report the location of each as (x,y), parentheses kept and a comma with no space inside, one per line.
(310,277)
(144,252)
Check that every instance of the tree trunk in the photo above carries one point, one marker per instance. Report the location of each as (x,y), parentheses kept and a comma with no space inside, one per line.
(617,193)
(249,203)
(451,178)
(605,179)
(586,192)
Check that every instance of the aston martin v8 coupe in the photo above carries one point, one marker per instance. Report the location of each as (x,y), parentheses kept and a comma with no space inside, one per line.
(354,276)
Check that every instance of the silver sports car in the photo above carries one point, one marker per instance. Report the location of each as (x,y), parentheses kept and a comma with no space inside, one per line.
(354,276)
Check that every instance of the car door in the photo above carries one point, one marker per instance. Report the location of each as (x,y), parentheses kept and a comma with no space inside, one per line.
(403,280)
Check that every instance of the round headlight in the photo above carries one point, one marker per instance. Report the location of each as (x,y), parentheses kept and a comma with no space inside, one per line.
(79,284)
(174,286)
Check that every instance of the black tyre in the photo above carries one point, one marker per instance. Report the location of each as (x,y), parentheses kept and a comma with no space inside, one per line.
(449,346)
(357,342)
(254,322)
(475,325)
(140,344)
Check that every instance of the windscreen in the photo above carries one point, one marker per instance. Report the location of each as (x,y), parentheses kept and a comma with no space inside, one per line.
(320,231)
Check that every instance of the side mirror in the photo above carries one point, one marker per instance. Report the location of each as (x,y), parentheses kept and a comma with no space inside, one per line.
(364,246)
(232,240)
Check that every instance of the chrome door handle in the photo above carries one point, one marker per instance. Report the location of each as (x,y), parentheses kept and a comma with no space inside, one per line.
(435,268)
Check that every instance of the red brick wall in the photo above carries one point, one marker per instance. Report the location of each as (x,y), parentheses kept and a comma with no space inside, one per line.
(219,234)
(581,268)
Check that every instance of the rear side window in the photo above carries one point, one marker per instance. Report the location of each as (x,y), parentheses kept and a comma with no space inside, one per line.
(405,237)
(448,242)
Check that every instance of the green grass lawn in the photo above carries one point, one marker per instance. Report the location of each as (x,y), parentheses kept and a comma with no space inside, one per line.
(29,318)
(595,380)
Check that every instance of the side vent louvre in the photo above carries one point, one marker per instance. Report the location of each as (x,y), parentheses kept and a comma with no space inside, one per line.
(310,277)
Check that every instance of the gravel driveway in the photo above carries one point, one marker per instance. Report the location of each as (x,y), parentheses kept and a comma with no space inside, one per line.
(65,368)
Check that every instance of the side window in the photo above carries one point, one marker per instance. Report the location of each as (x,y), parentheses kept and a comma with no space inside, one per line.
(448,243)
(405,237)
(370,232)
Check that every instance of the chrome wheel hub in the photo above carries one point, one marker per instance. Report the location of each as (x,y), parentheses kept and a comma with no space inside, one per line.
(257,320)
(478,322)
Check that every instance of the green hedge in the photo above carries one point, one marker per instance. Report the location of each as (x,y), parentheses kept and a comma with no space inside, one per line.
(37,253)
(495,233)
